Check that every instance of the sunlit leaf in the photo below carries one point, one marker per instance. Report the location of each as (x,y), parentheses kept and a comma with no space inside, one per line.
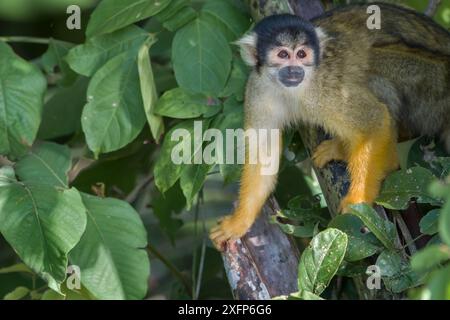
(321,260)
(22,88)
(209,56)
(111,253)
(114,114)
(112,15)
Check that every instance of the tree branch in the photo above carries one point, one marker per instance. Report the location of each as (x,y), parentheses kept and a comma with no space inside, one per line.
(262,264)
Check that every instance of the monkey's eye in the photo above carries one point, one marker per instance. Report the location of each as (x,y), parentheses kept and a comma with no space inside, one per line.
(283,54)
(301,54)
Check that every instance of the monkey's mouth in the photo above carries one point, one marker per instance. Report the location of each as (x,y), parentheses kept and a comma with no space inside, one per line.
(291,82)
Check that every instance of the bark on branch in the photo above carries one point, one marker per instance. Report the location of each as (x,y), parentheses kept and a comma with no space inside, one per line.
(262,264)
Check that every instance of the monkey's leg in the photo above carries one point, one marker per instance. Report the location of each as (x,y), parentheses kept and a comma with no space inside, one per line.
(371,158)
(254,191)
(329,150)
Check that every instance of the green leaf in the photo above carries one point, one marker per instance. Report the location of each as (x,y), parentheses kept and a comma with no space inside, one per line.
(438,288)
(444,223)
(321,260)
(209,56)
(299,295)
(87,58)
(232,118)
(166,171)
(17,294)
(304,295)
(62,112)
(426,153)
(192,179)
(442,189)
(111,253)
(51,295)
(148,90)
(237,80)
(306,208)
(42,223)
(48,163)
(222,10)
(444,163)
(301,231)
(111,15)
(181,18)
(352,269)
(390,263)
(396,273)
(401,276)
(54,57)
(360,244)
(67,294)
(174,7)
(7,175)
(180,104)
(429,223)
(430,257)
(401,186)
(190,139)
(384,230)
(114,114)
(22,88)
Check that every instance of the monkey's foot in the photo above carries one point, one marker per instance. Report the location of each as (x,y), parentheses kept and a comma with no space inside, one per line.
(229,228)
(326,151)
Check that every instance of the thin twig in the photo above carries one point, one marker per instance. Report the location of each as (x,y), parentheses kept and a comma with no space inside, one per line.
(405,233)
(171,267)
(202,256)
(432,7)
(79,166)
(413,240)
(132,196)
(26,39)
(197,278)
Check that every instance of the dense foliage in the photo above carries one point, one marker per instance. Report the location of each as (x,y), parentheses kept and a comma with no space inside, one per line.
(88,188)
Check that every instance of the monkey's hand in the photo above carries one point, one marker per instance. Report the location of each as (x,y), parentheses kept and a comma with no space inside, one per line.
(328,150)
(229,228)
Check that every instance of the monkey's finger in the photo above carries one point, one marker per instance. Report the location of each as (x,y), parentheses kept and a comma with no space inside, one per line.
(220,246)
(318,161)
(218,239)
(217,234)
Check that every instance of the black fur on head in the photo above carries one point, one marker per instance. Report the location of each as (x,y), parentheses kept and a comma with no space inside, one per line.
(270,28)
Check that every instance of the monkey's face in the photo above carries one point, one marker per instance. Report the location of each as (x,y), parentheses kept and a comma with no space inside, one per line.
(289,64)
(285,48)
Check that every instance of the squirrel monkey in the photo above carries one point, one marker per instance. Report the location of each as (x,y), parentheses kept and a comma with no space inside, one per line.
(364,87)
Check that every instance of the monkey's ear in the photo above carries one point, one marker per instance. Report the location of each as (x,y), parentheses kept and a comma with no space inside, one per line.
(323,39)
(248,48)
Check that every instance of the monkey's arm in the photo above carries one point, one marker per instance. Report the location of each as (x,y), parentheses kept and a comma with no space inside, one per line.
(257,182)
(254,191)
